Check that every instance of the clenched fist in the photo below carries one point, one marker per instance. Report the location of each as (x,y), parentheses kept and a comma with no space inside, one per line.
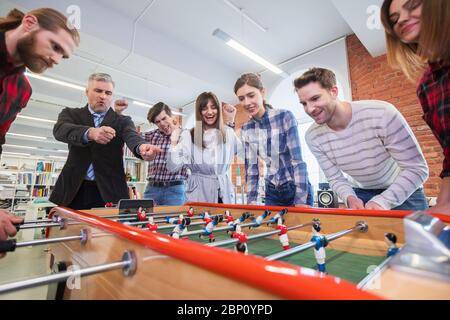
(229,112)
(149,152)
(120,106)
(102,135)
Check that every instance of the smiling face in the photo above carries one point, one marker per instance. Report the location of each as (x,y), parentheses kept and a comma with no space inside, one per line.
(405,19)
(209,115)
(165,123)
(319,103)
(252,99)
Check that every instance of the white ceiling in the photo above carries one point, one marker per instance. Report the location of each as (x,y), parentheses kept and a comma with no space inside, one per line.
(175,56)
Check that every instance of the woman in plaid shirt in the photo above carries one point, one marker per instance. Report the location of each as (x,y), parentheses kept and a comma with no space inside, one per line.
(272,135)
(418,41)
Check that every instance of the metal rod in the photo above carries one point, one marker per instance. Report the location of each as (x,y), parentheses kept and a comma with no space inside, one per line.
(154,214)
(360,226)
(128,261)
(47,241)
(374,274)
(256,236)
(155,221)
(173,226)
(245,225)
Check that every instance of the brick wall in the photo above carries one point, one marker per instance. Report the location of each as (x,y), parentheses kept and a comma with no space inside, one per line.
(372,78)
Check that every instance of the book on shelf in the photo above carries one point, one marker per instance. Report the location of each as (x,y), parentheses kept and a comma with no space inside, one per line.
(42,166)
(39,192)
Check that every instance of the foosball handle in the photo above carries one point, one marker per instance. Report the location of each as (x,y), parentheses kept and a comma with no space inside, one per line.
(18,225)
(7,246)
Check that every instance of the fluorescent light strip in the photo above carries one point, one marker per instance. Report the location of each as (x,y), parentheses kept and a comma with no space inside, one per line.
(36,119)
(21,147)
(54,81)
(55,157)
(25,136)
(247,52)
(16,154)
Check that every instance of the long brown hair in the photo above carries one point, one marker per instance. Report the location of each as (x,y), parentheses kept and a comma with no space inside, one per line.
(48,19)
(197,132)
(434,40)
(253,80)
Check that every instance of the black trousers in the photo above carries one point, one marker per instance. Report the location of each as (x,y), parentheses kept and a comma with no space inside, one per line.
(88,197)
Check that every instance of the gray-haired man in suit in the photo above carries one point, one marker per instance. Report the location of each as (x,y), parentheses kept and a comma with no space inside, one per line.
(94,173)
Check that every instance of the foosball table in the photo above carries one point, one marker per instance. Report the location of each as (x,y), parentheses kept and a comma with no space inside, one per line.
(207,251)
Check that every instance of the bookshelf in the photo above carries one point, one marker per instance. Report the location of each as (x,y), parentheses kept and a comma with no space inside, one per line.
(136,173)
(26,179)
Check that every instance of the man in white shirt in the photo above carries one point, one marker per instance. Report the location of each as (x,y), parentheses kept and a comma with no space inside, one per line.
(366,149)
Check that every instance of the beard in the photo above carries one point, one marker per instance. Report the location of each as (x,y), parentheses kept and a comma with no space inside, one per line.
(31,60)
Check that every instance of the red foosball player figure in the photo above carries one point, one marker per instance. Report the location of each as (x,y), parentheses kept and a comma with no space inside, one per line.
(151,226)
(229,218)
(109,205)
(241,246)
(190,212)
(141,215)
(283,236)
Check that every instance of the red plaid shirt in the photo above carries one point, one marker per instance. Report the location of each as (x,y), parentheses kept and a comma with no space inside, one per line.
(157,169)
(434,95)
(15,90)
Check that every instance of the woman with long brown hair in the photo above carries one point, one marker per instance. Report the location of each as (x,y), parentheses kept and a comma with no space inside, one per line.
(418,42)
(208,151)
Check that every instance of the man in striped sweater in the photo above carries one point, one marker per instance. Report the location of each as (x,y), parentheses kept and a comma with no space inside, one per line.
(366,149)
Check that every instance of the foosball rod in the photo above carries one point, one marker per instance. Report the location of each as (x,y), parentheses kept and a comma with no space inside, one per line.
(244,225)
(12,245)
(260,235)
(119,217)
(155,221)
(127,264)
(360,226)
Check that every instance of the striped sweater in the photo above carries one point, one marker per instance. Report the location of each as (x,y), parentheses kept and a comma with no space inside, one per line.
(377,150)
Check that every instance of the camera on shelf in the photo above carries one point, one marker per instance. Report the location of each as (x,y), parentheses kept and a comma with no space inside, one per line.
(326,198)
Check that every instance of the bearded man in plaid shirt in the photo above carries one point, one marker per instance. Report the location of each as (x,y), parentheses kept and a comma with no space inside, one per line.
(37,41)
(164,187)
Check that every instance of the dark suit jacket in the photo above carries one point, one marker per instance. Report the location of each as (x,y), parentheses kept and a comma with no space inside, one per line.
(107,159)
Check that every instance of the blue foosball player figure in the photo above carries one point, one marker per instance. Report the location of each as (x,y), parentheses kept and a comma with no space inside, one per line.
(209,228)
(391,241)
(258,220)
(242,218)
(181,228)
(319,248)
(275,218)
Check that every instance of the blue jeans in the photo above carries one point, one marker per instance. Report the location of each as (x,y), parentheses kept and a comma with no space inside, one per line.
(417,201)
(166,196)
(284,195)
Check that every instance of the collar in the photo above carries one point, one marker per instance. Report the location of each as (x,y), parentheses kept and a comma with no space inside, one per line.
(6,61)
(92,111)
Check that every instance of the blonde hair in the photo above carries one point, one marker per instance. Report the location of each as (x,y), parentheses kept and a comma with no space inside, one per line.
(48,19)
(434,41)
(197,131)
